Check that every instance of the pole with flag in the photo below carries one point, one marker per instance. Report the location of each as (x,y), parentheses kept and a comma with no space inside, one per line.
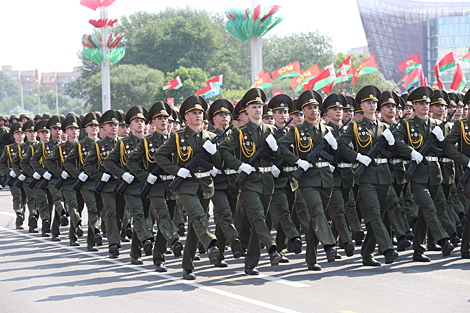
(366,67)
(175,83)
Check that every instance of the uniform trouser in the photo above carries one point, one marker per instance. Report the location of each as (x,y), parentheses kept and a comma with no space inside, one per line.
(161,242)
(459,194)
(318,229)
(336,214)
(18,202)
(395,214)
(442,213)
(91,199)
(465,245)
(241,221)
(458,206)
(126,220)
(113,206)
(178,217)
(198,227)
(31,202)
(280,210)
(424,196)
(166,226)
(256,207)
(409,204)
(373,202)
(147,234)
(225,227)
(56,196)
(75,206)
(302,214)
(351,212)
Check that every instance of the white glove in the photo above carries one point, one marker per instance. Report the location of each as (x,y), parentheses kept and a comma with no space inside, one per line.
(64,175)
(332,168)
(276,172)
(438,132)
(416,156)
(364,159)
(247,168)
(36,176)
(468,165)
(127,177)
(303,164)
(210,147)
(105,177)
(214,171)
(12,174)
(151,179)
(47,175)
(22,177)
(272,142)
(331,140)
(389,136)
(182,172)
(83,177)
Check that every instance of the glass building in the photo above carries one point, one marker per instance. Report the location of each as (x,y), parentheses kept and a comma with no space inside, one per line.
(397,29)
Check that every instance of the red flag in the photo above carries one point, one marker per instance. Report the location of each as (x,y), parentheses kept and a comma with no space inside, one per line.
(256,13)
(459,82)
(325,78)
(290,70)
(296,82)
(175,83)
(437,75)
(448,61)
(263,81)
(328,89)
(410,64)
(366,67)
(415,76)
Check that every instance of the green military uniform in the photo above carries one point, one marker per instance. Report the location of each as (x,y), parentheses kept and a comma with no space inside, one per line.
(73,164)
(38,164)
(113,204)
(163,199)
(258,187)
(316,183)
(28,193)
(116,164)
(194,192)
(4,130)
(6,160)
(426,179)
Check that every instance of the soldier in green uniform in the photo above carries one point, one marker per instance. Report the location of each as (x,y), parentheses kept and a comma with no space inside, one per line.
(374,184)
(28,193)
(226,189)
(283,199)
(342,174)
(73,164)
(317,180)
(194,192)
(4,130)
(10,151)
(257,190)
(113,204)
(116,164)
(54,124)
(267,115)
(163,199)
(427,177)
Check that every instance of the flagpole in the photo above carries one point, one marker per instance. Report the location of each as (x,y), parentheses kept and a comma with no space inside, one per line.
(256,51)
(105,76)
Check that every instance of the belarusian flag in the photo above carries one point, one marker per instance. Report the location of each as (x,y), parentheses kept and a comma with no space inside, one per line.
(440,85)
(403,79)
(448,61)
(263,81)
(297,82)
(212,88)
(459,82)
(366,67)
(325,78)
(290,70)
(410,64)
(344,72)
(465,57)
(175,83)
(415,76)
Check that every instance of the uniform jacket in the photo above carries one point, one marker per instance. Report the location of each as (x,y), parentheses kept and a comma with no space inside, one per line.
(93,163)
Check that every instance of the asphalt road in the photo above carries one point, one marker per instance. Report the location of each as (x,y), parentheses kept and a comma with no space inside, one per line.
(39,275)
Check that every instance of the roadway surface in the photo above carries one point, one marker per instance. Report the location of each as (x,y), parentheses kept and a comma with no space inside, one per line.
(39,275)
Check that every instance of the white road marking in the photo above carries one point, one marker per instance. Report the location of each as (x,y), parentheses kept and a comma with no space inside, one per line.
(149,272)
(9,214)
(278,280)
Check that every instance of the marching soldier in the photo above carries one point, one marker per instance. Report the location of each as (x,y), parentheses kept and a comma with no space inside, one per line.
(4,132)
(317,181)
(162,198)
(194,192)
(27,193)
(73,164)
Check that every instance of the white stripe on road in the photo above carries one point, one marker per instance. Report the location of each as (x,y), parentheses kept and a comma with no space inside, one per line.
(165,276)
(9,214)
(278,280)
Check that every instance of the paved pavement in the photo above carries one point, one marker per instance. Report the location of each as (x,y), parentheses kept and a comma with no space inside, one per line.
(37,274)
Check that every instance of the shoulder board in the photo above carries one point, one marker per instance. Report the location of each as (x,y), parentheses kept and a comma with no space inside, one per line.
(179,131)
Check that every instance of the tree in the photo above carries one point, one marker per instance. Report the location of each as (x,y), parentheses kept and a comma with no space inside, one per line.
(8,87)
(130,85)
(192,79)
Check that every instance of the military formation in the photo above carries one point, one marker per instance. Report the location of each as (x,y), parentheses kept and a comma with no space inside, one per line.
(372,169)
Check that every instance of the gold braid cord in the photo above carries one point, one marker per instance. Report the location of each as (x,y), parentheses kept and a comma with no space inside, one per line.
(80,155)
(301,147)
(245,150)
(464,136)
(44,154)
(414,144)
(19,153)
(148,157)
(361,142)
(98,155)
(183,156)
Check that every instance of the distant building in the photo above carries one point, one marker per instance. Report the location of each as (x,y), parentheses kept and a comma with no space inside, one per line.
(397,29)
(360,50)
(31,79)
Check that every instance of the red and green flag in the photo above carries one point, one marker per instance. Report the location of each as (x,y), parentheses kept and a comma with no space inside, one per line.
(448,61)
(325,78)
(415,76)
(212,88)
(263,80)
(459,82)
(175,83)
(366,67)
(297,82)
(290,70)
(344,72)
(410,63)
(465,57)
(439,82)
